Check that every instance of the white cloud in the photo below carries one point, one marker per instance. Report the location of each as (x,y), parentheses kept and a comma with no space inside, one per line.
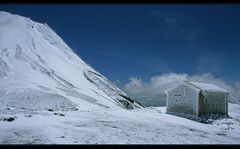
(166,78)
(156,85)
(135,85)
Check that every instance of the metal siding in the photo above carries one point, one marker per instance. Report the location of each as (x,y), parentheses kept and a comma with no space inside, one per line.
(182,99)
(215,102)
(201,103)
(195,103)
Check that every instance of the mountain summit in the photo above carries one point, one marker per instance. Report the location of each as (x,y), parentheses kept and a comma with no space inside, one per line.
(38,70)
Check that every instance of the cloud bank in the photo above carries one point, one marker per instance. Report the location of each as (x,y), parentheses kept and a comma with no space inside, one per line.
(152,91)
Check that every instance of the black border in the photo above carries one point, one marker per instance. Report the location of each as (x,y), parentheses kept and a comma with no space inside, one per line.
(123,2)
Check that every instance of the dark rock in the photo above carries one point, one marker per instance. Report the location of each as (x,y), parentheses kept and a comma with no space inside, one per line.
(9,119)
(50,110)
(59,114)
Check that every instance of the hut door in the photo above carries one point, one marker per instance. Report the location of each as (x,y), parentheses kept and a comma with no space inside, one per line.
(209,106)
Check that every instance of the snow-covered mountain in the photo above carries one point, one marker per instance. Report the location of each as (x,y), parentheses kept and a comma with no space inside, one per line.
(38,70)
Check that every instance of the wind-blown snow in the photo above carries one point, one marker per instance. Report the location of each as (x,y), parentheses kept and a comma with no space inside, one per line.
(48,95)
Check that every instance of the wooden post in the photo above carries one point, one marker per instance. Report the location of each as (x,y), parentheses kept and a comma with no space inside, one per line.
(201,103)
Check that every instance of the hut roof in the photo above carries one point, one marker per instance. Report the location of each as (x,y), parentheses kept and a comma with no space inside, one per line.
(201,86)
(208,87)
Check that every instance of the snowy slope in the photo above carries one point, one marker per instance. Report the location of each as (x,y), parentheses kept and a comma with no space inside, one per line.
(39,71)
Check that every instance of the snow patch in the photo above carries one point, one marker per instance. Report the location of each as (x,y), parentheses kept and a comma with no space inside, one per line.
(29,99)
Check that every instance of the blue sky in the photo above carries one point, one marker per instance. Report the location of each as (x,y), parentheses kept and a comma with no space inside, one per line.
(121,41)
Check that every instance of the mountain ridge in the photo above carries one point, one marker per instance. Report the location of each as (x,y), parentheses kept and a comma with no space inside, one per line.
(33,56)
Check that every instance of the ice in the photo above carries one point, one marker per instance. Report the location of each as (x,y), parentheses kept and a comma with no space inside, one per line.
(33,55)
(208,87)
(48,95)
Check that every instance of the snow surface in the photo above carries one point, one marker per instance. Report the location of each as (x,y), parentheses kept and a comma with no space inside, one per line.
(138,126)
(208,87)
(48,95)
(33,57)
(197,85)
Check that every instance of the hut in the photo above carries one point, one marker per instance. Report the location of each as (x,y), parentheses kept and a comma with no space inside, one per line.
(197,99)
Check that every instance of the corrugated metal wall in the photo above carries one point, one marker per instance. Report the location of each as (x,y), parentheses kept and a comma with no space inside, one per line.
(201,105)
(185,99)
(215,102)
(182,99)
